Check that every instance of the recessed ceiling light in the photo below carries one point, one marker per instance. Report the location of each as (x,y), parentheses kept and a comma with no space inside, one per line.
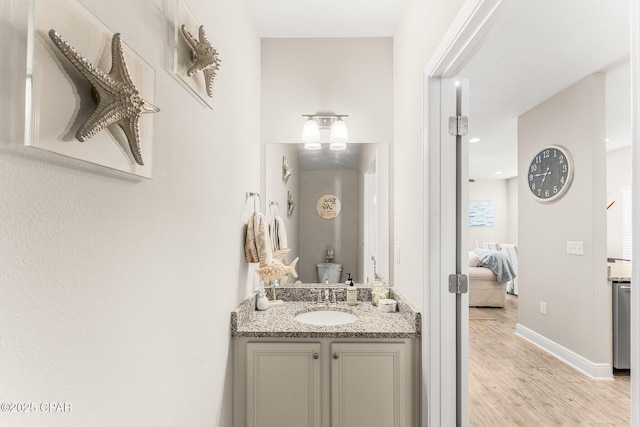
(498,173)
(607,140)
(472,140)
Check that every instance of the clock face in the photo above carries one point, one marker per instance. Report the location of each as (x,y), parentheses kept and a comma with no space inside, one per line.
(550,173)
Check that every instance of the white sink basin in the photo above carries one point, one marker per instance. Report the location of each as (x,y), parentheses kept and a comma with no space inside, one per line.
(326,318)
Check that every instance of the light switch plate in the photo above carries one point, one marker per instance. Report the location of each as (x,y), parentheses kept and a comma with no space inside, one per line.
(575,248)
(543,307)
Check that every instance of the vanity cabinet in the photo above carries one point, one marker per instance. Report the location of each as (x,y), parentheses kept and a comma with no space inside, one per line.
(368,384)
(326,382)
(283,384)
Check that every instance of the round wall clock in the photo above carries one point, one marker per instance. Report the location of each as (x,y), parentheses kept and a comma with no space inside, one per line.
(550,173)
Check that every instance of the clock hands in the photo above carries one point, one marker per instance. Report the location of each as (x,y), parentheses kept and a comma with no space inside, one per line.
(543,175)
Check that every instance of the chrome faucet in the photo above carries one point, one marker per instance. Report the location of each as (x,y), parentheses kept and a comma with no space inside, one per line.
(323,297)
(334,299)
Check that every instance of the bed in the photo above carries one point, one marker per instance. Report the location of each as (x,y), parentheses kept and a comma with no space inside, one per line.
(489,272)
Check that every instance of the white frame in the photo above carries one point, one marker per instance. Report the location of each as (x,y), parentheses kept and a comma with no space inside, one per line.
(439,361)
(195,84)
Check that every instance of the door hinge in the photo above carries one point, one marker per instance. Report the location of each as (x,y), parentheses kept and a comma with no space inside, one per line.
(458,125)
(458,284)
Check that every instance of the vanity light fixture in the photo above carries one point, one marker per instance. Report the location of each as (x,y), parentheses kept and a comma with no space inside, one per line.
(338,136)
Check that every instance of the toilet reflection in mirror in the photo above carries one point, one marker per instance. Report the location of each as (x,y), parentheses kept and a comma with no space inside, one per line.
(329,272)
(359,176)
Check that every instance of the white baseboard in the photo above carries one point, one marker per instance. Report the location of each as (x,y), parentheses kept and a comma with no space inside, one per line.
(599,371)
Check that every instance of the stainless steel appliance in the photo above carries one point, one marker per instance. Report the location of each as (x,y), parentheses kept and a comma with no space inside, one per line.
(621,324)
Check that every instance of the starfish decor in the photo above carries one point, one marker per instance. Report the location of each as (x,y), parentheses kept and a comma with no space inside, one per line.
(118,99)
(205,57)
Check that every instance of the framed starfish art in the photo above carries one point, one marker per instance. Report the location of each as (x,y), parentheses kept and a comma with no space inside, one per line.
(195,60)
(89,96)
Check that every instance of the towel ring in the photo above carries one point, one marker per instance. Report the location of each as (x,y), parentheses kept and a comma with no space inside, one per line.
(254,195)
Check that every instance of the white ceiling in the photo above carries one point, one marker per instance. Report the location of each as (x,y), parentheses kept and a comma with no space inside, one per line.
(328,18)
(540,48)
(536,51)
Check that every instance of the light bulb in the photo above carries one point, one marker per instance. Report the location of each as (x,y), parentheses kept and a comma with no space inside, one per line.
(339,132)
(310,132)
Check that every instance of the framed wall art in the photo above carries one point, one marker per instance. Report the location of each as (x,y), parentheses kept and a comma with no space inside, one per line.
(195,60)
(89,96)
(480,213)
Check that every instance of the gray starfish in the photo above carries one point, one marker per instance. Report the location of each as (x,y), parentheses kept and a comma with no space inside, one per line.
(119,102)
(286,170)
(205,57)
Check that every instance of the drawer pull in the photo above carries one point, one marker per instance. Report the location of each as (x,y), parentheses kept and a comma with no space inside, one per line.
(335,356)
(316,356)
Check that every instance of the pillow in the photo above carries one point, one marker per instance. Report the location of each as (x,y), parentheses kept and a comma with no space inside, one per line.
(473,259)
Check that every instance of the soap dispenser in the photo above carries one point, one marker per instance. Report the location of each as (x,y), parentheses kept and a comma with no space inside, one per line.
(352,292)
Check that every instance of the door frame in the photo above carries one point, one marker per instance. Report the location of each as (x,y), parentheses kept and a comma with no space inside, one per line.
(461,42)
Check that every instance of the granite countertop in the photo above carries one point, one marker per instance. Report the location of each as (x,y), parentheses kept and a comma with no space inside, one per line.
(279,322)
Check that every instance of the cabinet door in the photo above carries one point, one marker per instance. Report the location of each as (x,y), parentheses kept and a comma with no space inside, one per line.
(283,385)
(368,385)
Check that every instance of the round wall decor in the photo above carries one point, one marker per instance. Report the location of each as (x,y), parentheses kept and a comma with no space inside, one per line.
(328,206)
(550,173)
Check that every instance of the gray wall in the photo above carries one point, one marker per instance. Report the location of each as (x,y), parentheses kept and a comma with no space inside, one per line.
(574,287)
(320,234)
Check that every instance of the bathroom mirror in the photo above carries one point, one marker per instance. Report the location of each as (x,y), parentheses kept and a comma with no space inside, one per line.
(359,235)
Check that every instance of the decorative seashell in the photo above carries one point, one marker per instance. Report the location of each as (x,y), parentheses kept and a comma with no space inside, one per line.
(277,269)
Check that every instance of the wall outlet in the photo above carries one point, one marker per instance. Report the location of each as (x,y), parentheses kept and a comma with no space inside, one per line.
(397,253)
(543,307)
(575,248)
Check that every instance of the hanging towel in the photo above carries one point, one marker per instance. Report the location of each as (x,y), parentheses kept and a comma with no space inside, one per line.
(257,245)
(273,234)
(278,234)
(250,251)
(280,237)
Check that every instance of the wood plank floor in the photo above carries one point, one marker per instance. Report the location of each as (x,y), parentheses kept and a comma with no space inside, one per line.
(514,383)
